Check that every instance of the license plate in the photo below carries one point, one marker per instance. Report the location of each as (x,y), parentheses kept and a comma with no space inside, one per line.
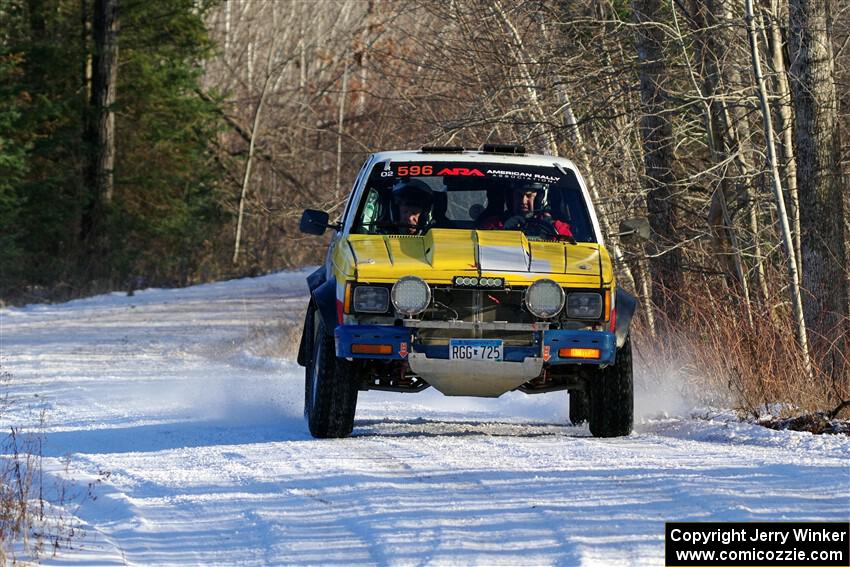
(475,349)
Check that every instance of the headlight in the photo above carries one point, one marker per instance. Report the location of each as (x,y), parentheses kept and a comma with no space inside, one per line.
(584,306)
(544,298)
(370,299)
(411,295)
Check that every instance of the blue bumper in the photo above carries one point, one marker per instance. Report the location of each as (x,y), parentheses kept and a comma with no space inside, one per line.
(548,343)
(397,337)
(606,342)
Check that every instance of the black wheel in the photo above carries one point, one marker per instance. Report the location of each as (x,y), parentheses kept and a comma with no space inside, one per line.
(612,397)
(330,389)
(579,407)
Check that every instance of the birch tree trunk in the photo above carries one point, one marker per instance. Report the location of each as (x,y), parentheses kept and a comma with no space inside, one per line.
(523,64)
(823,196)
(255,127)
(793,276)
(569,120)
(784,120)
(341,120)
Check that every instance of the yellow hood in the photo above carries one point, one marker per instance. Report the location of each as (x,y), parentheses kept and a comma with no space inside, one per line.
(441,254)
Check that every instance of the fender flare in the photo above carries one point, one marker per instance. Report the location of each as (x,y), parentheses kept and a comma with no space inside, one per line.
(625,305)
(316,278)
(323,298)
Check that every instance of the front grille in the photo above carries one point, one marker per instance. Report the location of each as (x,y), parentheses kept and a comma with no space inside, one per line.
(454,304)
(477,305)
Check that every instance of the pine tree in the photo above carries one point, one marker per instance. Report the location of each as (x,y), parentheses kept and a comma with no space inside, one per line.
(13,163)
(162,212)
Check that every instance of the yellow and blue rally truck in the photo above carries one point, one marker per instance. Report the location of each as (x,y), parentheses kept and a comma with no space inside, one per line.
(475,272)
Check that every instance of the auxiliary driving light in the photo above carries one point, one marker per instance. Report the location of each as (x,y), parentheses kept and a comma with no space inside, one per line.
(544,298)
(411,295)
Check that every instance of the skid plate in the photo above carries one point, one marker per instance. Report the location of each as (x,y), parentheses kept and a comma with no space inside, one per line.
(474,377)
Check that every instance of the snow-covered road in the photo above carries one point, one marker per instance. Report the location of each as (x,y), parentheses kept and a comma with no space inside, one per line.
(181,403)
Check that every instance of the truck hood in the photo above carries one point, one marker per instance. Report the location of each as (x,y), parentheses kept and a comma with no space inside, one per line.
(440,254)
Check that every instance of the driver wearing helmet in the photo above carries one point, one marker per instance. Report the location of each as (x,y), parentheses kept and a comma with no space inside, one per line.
(521,210)
(414,199)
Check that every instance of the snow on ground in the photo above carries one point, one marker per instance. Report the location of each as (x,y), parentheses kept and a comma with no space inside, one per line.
(179,402)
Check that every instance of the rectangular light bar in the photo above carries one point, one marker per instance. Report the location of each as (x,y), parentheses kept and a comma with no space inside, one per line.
(502,149)
(476,282)
(359,348)
(589,353)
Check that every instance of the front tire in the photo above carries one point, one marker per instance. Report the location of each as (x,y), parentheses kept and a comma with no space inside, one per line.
(612,396)
(330,388)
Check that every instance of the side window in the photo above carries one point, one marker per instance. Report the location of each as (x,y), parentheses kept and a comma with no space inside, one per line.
(567,204)
(371,213)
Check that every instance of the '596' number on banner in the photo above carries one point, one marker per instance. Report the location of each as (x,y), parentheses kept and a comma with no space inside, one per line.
(414,170)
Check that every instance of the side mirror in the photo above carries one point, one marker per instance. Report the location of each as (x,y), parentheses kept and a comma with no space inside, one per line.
(314,222)
(634,229)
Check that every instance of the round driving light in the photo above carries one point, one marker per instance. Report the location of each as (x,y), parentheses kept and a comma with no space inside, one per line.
(544,298)
(411,295)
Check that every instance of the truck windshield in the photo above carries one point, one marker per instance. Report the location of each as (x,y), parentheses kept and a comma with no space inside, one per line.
(413,197)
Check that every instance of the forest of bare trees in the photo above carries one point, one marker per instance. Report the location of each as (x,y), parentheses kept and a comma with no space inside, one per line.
(719,121)
(722,121)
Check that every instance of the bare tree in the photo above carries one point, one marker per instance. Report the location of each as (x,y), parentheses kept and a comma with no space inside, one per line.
(657,135)
(784,116)
(716,47)
(787,239)
(823,196)
(659,109)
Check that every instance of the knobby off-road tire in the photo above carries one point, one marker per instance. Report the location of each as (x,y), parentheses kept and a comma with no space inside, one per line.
(579,407)
(330,389)
(612,396)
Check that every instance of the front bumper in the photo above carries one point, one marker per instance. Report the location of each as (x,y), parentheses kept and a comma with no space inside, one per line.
(547,344)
